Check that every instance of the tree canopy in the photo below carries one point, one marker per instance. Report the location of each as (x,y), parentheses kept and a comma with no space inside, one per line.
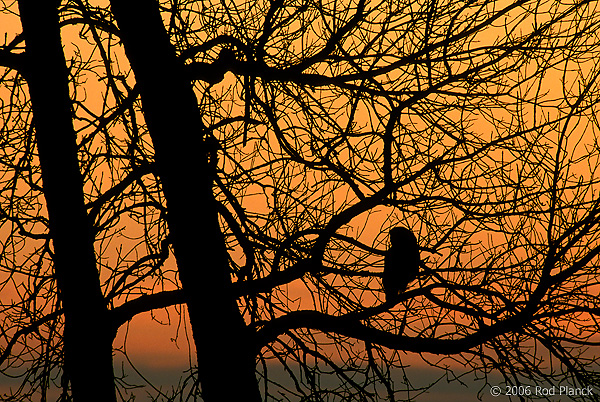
(247,160)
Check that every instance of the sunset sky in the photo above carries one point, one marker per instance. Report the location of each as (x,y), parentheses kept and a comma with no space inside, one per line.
(488,184)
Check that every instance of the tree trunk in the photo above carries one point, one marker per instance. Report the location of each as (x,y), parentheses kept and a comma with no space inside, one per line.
(87,337)
(226,360)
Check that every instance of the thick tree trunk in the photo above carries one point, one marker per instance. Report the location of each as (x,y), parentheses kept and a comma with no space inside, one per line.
(226,360)
(87,337)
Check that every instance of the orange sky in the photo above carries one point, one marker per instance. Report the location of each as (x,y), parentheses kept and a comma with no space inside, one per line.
(157,346)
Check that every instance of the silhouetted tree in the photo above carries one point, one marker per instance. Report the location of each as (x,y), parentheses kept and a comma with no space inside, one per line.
(288,138)
(87,333)
(57,332)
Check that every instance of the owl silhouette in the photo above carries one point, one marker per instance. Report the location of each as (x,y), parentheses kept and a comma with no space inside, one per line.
(402,262)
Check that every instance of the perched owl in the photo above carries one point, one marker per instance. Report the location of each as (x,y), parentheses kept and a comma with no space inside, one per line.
(402,262)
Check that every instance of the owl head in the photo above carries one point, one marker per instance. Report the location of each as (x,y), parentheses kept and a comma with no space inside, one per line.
(402,236)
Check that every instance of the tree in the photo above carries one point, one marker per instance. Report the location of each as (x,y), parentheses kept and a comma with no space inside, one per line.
(304,132)
(83,306)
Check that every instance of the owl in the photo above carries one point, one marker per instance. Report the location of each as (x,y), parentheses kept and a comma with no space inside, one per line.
(402,262)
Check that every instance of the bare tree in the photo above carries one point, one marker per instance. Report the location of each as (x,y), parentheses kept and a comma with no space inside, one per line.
(289,137)
(85,313)
(57,331)
(442,117)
